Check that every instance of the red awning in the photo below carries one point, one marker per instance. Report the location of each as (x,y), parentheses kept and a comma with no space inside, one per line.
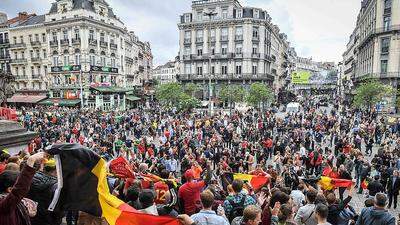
(26,98)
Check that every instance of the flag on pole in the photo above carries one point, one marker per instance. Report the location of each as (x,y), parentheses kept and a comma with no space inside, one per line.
(255,181)
(83,186)
(364,184)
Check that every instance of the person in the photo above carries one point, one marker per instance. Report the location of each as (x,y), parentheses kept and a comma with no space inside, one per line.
(14,187)
(335,206)
(393,187)
(321,214)
(343,174)
(305,213)
(189,193)
(282,215)
(251,216)
(42,189)
(376,215)
(207,215)
(298,195)
(235,203)
(375,187)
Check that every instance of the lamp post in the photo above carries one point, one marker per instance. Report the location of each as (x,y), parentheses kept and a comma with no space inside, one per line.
(210,103)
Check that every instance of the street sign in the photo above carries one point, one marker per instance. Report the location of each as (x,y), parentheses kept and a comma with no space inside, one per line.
(105,69)
(57,69)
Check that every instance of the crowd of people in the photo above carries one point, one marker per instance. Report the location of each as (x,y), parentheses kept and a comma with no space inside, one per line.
(196,155)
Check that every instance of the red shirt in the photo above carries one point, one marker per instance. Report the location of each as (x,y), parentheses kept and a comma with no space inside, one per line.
(2,167)
(161,189)
(190,194)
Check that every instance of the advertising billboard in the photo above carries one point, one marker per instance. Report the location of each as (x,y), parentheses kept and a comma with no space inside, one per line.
(301,77)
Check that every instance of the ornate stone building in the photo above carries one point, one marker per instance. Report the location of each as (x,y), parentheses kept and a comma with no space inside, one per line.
(243,44)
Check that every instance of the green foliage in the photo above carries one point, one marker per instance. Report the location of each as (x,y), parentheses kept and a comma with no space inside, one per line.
(259,94)
(190,88)
(173,95)
(371,92)
(232,93)
(187,102)
(169,94)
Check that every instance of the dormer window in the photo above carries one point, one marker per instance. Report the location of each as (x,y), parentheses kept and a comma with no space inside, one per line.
(63,8)
(102,11)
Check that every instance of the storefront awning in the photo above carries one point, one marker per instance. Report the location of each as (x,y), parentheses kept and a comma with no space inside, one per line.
(26,98)
(60,102)
(111,89)
(132,98)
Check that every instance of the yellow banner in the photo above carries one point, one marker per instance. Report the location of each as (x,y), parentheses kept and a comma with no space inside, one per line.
(301,77)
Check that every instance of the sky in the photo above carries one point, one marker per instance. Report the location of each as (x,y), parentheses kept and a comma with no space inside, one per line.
(316,28)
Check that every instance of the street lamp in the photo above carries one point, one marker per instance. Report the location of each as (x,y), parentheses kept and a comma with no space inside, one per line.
(210,103)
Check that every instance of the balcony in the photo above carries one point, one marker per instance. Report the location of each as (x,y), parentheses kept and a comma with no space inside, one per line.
(76,41)
(385,50)
(238,37)
(224,38)
(255,55)
(92,42)
(103,44)
(4,42)
(36,76)
(35,60)
(18,61)
(21,77)
(226,77)
(187,41)
(238,55)
(54,43)
(255,38)
(213,39)
(199,40)
(17,45)
(113,46)
(186,57)
(5,57)
(35,43)
(268,58)
(64,42)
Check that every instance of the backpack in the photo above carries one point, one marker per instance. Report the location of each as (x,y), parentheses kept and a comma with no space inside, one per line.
(237,208)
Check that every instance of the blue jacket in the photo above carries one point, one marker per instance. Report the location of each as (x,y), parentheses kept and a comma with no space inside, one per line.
(373,216)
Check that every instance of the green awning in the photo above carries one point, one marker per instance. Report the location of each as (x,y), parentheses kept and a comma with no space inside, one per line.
(60,102)
(132,98)
(111,89)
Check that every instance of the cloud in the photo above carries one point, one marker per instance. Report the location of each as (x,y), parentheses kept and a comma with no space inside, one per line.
(317,28)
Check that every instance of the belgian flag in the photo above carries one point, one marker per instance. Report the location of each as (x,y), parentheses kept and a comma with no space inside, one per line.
(83,186)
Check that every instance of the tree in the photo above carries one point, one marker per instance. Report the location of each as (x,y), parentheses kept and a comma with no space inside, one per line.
(371,92)
(259,94)
(187,102)
(232,94)
(169,94)
(190,89)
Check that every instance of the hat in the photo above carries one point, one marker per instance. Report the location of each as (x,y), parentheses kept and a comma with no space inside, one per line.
(50,163)
(189,174)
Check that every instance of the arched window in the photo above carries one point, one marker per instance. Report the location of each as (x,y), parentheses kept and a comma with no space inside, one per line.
(103,58)
(55,58)
(113,60)
(66,57)
(77,56)
(92,57)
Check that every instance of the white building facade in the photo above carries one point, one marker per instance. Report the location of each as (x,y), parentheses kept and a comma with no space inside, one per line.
(166,73)
(243,44)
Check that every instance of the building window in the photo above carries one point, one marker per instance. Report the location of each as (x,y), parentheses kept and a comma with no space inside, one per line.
(77,36)
(199,70)
(224,69)
(92,60)
(385,43)
(239,31)
(255,49)
(65,34)
(187,18)
(388,5)
(54,35)
(187,51)
(32,71)
(37,53)
(239,13)
(21,39)
(44,37)
(199,35)
(254,69)
(77,59)
(188,69)
(386,23)
(66,60)
(91,35)
(199,15)
(199,51)
(22,55)
(224,49)
(23,71)
(37,37)
(239,48)
(224,32)
(212,69)
(212,50)
(102,37)
(384,65)
(238,69)
(224,13)
(44,54)
(255,32)
(31,53)
(55,60)
(256,14)
(188,35)
(15,40)
(113,62)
